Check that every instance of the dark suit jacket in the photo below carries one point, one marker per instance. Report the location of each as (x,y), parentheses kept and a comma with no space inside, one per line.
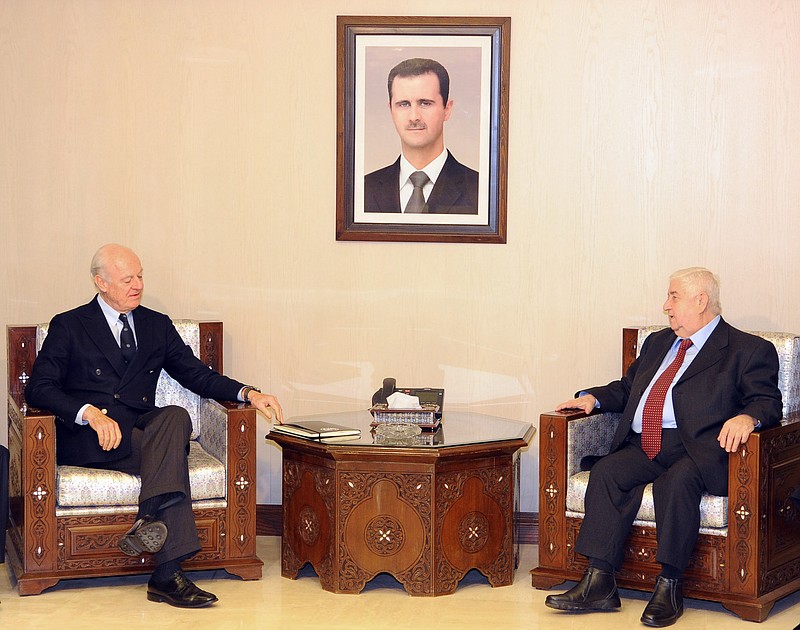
(80,362)
(455,191)
(734,373)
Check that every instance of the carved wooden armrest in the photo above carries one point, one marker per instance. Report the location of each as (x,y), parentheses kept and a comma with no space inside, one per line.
(762,520)
(553,431)
(32,474)
(240,463)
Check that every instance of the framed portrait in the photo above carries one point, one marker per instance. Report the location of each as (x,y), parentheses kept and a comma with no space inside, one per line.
(422,131)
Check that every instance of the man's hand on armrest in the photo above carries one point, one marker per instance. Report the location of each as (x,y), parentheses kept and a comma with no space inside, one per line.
(736,431)
(266,404)
(585,403)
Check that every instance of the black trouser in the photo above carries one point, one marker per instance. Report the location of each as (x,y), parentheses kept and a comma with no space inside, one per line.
(159,448)
(614,495)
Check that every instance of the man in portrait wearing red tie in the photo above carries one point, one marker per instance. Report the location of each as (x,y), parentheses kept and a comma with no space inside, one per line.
(696,392)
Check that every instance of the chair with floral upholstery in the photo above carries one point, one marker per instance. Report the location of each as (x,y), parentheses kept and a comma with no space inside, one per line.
(748,552)
(65,521)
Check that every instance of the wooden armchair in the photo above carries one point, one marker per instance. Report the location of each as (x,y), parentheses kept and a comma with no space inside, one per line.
(748,553)
(65,521)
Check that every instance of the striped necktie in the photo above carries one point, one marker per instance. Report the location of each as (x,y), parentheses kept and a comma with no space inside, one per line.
(416,203)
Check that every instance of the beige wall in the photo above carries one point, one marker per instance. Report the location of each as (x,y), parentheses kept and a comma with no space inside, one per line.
(644,136)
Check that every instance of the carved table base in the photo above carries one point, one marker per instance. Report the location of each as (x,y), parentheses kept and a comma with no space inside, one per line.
(425,517)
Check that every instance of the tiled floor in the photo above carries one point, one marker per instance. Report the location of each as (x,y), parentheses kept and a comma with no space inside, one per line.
(275,602)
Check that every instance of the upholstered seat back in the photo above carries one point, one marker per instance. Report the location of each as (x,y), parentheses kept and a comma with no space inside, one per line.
(82,490)
(788,347)
(168,390)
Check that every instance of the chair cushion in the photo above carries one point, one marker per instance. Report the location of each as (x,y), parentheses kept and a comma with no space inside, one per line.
(81,487)
(713,509)
(590,436)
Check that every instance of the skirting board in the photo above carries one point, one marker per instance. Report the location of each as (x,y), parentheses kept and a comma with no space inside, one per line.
(269,521)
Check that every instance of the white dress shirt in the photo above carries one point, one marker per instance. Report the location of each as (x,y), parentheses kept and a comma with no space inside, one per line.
(432,170)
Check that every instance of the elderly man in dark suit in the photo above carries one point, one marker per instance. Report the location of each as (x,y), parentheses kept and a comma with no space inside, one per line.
(426,178)
(97,371)
(696,392)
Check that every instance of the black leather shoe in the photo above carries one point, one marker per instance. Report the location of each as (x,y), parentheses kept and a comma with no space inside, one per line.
(179,591)
(145,535)
(597,591)
(666,604)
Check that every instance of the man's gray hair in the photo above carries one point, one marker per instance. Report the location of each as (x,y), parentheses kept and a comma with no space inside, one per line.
(102,258)
(698,280)
(98,263)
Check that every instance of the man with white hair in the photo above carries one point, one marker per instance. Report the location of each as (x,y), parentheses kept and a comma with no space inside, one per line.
(97,371)
(696,392)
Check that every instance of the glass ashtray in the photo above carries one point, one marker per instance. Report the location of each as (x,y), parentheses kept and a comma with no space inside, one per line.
(397,431)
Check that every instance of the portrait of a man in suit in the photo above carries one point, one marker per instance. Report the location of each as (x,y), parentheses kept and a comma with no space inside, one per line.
(426,178)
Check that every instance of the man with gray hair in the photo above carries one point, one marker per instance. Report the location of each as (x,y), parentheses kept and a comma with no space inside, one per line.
(694,394)
(97,371)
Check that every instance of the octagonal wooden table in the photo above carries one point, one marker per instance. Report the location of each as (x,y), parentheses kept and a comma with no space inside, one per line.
(426,510)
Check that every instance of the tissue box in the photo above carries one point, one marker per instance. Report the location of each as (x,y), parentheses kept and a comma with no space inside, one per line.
(425,417)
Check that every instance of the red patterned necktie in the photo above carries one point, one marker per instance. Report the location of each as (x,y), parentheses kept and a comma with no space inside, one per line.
(653,413)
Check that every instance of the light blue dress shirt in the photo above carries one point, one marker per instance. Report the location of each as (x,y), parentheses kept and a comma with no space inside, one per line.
(698,341)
